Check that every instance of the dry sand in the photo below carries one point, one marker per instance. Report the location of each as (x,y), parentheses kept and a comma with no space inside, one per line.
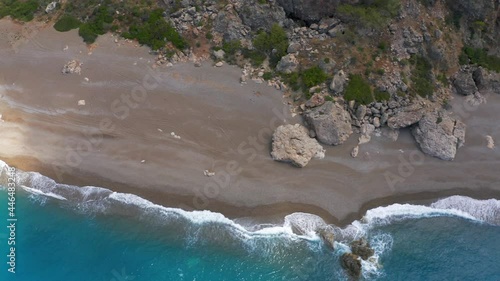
(223,127)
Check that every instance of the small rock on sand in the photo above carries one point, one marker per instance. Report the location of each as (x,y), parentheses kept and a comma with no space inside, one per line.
(81,102)
(219,64)
(489,139)
(175,136)
(355,151)
(208,173)
(73,66)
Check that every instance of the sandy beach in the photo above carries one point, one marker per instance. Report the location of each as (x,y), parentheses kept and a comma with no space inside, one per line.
(155,131)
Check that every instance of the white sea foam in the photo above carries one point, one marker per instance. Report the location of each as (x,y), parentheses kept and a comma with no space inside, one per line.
(484,210)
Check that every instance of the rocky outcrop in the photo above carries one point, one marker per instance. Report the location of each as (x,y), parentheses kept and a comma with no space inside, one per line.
(406,116)
(230,25)
(330,123)
(327,235)
(261,16)
(292,143)
(351,264)
(472,10)
(439,135)
(304,223)
(309,11)
(463,82)
(488,82)
(287,64)
(362,248)
(71,67)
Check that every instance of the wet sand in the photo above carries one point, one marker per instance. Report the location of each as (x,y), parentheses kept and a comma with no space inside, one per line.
(121,138)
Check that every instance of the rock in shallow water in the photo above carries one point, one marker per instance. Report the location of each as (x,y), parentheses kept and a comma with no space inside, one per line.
(292,143)
(351,264)
(362,248)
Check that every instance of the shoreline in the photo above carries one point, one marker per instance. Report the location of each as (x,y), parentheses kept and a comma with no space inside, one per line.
(214,115)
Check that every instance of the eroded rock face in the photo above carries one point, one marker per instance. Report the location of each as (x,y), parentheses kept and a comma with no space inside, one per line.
(439,135)
(351,264)
(309,11)
(406,116)
(330,122)
(292,143)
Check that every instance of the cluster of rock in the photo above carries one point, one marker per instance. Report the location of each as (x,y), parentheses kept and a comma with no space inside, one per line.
(71,67)
(351,262)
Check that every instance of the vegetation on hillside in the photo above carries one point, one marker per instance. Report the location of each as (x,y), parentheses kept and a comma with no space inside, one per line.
(358,90)
(23,11)
(67,23)
(480,57)
(422,78)
(371,14)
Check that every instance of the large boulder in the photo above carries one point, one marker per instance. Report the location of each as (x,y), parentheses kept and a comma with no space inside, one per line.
(486,81)
(304,223)
(292,143)
(331,123)
(351,264)
(362,248)
(406,116)
(439,135)
(287,64)
(463,83)
(309,11)
(261,16)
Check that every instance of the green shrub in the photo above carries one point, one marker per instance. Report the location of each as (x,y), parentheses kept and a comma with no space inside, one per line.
(481,58)
(422,77)
(66,23)
(231,47)
(380,71)
(358,89)
(313,76)
(267,76)
(443,79)
(292,80)
(381,95)
(209,36)
(383,46)
(22,11)
(87,32)
(273,43)
(154,31)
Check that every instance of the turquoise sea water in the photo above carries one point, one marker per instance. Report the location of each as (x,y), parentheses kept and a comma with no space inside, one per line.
(114,237)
